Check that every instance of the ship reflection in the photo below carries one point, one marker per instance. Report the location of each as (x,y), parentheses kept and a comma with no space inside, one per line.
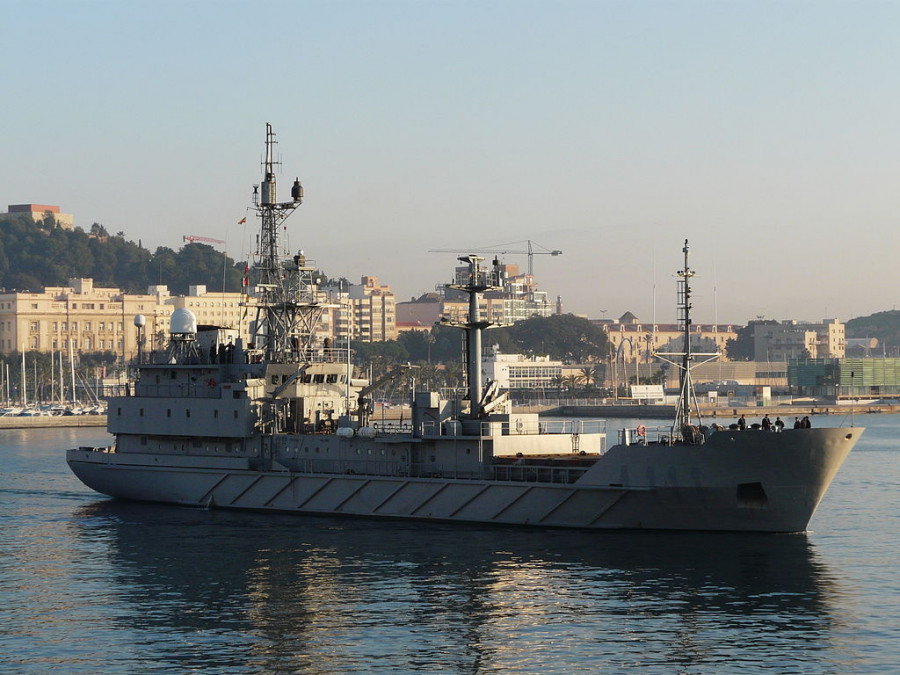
(281,593)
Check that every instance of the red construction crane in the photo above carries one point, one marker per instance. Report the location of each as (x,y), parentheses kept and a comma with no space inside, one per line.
(209,240)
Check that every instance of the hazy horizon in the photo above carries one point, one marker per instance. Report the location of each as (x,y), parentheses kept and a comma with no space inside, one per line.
(763,132)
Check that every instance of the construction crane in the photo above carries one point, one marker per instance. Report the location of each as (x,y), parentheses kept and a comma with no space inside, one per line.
(501,250)
(191,238)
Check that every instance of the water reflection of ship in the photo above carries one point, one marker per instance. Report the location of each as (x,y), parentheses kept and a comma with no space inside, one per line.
(304,588)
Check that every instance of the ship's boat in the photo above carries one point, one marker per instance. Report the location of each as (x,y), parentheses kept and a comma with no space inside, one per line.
(277,421)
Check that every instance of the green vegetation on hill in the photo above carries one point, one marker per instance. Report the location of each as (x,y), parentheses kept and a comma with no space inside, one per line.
(36,255)
(882,325)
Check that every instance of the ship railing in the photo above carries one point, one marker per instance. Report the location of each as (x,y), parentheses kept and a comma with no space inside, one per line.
(643,435)
(667,435)
(513,427)
(325,355)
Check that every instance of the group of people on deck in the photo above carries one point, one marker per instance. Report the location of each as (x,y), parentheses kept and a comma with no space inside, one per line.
(768,425)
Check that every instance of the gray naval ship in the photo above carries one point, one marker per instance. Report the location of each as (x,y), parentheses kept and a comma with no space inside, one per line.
(276,421)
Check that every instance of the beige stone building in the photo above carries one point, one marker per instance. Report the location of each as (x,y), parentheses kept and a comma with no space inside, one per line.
(634,341)
(92,319)
(86,318)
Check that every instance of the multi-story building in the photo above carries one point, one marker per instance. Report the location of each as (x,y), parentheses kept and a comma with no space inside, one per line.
(85,318)
(634,341)
(374,311)
(80,317)
(366,312)
(794,340)
(846,378)
(520,372)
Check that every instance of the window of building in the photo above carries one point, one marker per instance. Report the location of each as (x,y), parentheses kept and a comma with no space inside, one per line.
(87,325)
(74,326)
(74,305)
(34,326)
(34,305)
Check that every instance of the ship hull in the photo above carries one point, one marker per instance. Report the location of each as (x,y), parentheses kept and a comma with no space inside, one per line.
(748,481)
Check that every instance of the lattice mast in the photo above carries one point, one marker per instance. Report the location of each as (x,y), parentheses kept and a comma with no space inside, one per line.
(280,281)
(683,413)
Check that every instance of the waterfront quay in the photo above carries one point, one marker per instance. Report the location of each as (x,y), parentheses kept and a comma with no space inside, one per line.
(51,421)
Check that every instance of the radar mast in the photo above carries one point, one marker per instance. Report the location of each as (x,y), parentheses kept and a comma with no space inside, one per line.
(286,312)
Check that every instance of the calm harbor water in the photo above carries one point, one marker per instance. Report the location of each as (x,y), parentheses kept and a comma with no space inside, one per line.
(91,585)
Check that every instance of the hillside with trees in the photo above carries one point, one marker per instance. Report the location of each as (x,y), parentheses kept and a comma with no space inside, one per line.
(37,255)
(882,325)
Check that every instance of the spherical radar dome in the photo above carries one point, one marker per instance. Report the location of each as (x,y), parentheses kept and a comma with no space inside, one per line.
(183,321)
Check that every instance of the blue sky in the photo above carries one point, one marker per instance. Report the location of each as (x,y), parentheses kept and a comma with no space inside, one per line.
(764,132)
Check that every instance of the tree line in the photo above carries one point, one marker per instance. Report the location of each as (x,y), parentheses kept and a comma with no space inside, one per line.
(36,255)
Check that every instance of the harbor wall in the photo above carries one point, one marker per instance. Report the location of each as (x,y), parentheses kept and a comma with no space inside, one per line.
(43,422)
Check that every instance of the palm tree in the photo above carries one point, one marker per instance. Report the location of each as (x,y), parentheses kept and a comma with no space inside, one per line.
(572,382)
(559,382)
